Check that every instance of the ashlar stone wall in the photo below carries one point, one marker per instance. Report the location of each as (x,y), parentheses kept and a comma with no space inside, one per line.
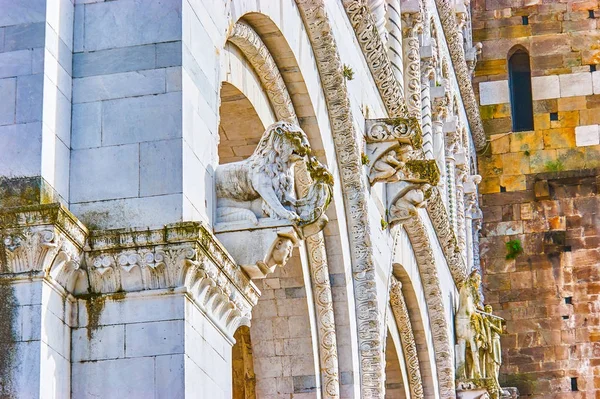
(540,191)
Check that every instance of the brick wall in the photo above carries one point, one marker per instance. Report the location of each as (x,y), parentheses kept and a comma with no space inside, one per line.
(540,187)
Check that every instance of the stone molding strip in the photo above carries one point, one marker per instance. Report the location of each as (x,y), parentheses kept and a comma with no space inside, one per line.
(346,141)
(417,234)
(445,234)
(376,56)
(446,11)
(249,42)
(407,338)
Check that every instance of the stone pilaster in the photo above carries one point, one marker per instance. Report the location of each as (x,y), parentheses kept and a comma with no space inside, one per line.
(40,252)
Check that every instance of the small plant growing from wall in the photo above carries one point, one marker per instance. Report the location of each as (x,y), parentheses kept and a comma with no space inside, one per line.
(364,158)
(513,249)
(554,166)
(348,72)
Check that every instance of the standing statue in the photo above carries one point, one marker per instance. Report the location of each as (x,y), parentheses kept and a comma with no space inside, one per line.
(470,329)
(493,359)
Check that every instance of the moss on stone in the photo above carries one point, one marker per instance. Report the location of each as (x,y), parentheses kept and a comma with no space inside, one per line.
(8,337)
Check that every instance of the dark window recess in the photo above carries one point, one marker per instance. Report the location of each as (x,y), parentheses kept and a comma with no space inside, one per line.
(569,300)
(502,189)
(553,116)
(574,384)
(520,91)
(525,20)
(565,317)
(591,14)
(592,68)
(567,248)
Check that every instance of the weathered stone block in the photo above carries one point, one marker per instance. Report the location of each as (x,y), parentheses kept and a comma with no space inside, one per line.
(87,125)
(98,343)
(128,21)
(155,178)
(17,12)
(25,142)
(515,164)
(526,141)
(559,138)
(7,105)
(147,118)
(576,84)
(167,338)
(25,36)
(596,81)
(15,63)
(541,189)
(500,143)
(131,377)
(111,61)
(493,92)
(587,135)
(168,54)
(105,173)
(545,87)
(118,85)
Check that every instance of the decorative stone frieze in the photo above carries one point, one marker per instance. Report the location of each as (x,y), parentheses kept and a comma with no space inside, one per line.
(44,240)
(407,338)
(389,142)
(178,255)
(463,74)
(412,22)
(417,233)
(375,52)
(369,328)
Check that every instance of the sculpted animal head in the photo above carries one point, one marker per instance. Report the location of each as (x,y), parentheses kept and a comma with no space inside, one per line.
(281,143)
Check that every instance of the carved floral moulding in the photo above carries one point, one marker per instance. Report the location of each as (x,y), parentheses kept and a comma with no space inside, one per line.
(178,255)
(42,240)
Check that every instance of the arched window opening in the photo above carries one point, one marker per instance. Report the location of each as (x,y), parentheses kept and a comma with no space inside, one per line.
(519,73)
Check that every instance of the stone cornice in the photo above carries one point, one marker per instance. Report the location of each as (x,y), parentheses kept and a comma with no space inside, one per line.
(42,240)
(178,255)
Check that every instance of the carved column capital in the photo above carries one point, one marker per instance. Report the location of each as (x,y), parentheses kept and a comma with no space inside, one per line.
(183,255)
(43,240)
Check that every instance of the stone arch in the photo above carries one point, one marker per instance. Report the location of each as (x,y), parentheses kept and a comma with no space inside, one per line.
(411,313)
(250,43)
(334,118)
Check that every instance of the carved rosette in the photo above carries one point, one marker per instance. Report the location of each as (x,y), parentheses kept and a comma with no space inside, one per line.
(183,255)
(44,241)
(407,338)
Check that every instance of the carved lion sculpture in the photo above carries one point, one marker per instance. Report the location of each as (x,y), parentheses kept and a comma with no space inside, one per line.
(263,184)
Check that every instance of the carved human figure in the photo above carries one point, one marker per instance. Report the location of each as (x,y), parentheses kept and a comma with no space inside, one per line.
(470,329)
(493,328)
(386,168)
(281,251)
